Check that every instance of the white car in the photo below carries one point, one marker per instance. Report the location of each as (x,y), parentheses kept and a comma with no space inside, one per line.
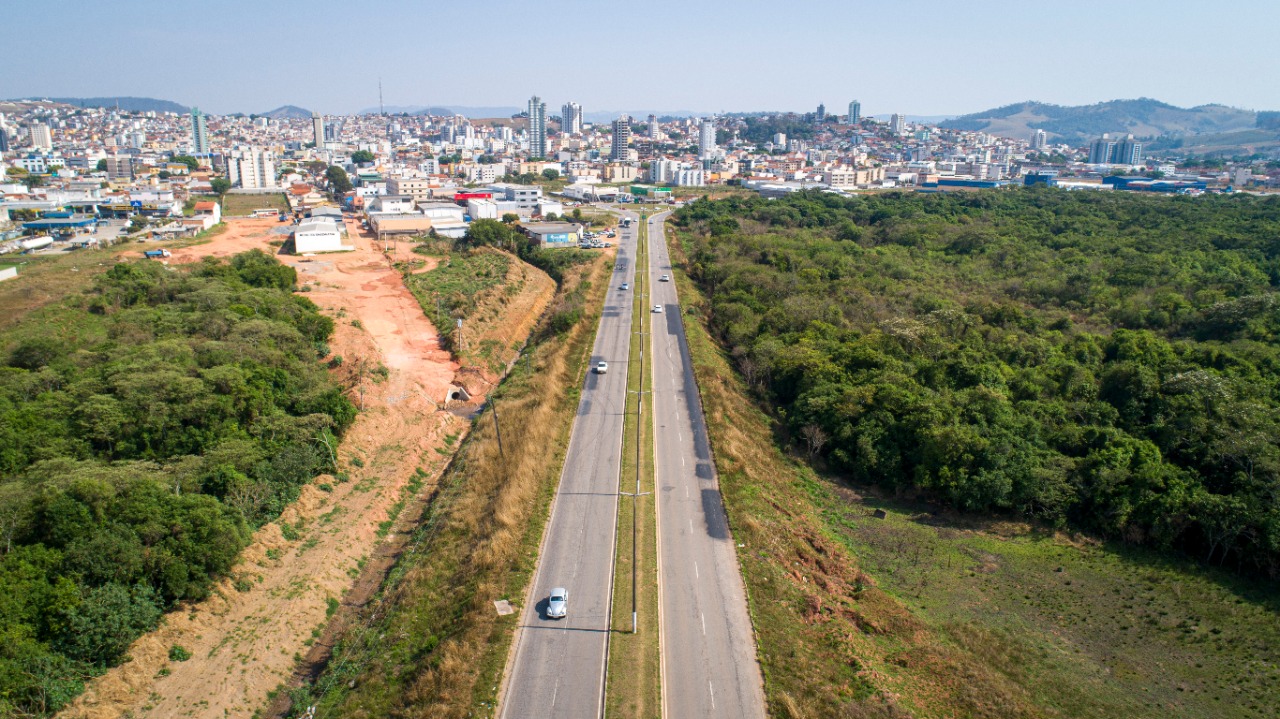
(602,367)
(665,278)
(657,309)
(558,603)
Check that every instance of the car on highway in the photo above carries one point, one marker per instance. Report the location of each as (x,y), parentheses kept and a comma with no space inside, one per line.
(558,603)
(657,309)
(625,286)
(602,367)
(665,278)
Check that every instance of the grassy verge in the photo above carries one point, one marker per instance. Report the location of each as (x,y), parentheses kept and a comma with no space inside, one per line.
(634,683)
(432,644)
(456,287)
(928,615)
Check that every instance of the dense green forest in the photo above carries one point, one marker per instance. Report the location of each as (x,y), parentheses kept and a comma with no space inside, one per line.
(1103,360)
(146,427)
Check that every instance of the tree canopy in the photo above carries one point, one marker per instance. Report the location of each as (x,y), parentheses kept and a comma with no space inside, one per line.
(1109,361)
(145,428)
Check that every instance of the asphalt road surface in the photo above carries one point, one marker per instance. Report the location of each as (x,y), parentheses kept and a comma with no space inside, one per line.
(559,664)
(709,666)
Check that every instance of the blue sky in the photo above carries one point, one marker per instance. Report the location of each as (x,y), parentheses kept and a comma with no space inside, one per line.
(927,57)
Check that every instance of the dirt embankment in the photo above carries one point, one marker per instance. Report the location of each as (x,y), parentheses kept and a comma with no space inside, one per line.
(246,640)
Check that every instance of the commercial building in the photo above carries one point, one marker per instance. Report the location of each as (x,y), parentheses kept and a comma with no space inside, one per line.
(553,234)
(621,138)
(821,114)
(525,196)
(317,129)
(537,127)
(855,112)
(419,188)
(571,119)
(199,133)
(319,234)
(41,136)
(251,168)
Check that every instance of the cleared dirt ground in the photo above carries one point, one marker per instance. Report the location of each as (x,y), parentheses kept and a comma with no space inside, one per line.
(246,640)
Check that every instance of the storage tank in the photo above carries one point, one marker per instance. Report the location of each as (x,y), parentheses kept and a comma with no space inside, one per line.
(36,243)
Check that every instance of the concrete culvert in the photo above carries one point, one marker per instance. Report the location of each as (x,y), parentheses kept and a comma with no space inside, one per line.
(458,394)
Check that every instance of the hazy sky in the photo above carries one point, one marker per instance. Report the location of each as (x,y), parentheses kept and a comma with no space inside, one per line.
(925,57)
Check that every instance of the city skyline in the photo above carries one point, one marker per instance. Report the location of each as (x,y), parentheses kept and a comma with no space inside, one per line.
(1178,58)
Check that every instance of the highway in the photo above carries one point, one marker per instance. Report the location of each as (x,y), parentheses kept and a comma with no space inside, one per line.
(558,668)
(709,666)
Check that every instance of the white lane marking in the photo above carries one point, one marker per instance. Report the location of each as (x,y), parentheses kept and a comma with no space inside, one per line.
(699,576)
(704,624)
(690,526)
(682,462)
(713,693)
(686,491)
(555,691)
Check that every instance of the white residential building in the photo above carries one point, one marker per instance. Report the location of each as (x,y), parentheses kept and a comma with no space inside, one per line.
(41,136)
(251,168)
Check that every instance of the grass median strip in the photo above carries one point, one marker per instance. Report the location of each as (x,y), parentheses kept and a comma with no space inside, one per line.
(634,684)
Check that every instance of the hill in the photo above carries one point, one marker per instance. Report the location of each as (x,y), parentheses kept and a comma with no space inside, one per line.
(132,104)
(1143,117)
(288,112)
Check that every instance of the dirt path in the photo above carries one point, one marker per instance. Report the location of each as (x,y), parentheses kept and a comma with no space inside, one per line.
(246,639)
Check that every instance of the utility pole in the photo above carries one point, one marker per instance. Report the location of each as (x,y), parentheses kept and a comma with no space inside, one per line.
(493,404)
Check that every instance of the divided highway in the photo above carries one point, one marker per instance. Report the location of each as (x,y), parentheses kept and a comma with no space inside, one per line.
(709,666)
(559,665)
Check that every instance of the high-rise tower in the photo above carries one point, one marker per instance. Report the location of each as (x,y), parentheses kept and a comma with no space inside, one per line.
(621,137)
(571,118)
(855,112)
(537,127)
(317,129)
(199,133)
(707,137)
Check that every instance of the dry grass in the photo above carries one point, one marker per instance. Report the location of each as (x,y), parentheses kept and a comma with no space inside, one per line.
(434,646)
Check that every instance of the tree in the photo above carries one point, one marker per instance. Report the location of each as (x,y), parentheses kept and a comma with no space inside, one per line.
(510,217)
(316,167)
(15,171)
(164,174)
(361,156)
(551,174)
(137,223)
(101,166)
(191,162)
(220,185)
(339,183)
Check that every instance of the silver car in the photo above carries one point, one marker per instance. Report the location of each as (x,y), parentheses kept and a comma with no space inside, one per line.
(657,309)
(558,603)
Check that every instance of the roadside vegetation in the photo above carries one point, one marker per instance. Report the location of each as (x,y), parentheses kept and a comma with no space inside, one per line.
(1103,361)
(942,607)
(432,643)
(455,288)
(147,425)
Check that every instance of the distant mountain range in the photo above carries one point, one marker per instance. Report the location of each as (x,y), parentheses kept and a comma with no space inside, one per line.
(1077,125)
(132,104)
(287,112)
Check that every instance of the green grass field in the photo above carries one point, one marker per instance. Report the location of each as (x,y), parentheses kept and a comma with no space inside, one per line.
(243,205)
